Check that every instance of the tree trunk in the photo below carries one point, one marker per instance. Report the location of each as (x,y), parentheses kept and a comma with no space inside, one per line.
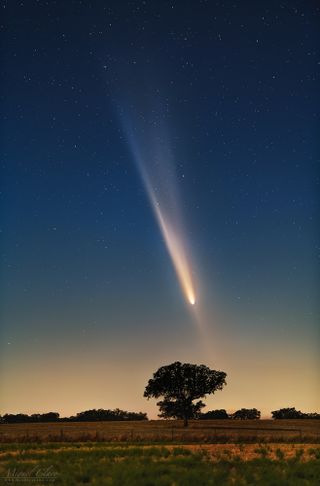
(185,422)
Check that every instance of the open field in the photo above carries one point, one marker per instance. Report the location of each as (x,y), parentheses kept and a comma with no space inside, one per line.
(140,465)
(209,431)
(162,453)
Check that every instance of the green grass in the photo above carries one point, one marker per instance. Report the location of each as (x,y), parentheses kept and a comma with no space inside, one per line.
(100,464)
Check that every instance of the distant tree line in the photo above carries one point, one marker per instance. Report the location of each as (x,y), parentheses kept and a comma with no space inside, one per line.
(101,415)
(254,414)
(18,418)
(242,414)
(86,416)
(292,413)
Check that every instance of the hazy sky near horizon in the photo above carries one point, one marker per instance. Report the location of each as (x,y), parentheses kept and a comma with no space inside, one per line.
(217,103)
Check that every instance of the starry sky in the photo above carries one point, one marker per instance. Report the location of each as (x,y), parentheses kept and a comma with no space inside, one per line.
(223,95)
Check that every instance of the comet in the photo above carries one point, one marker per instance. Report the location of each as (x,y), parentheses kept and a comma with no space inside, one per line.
(177,253)
(156,166)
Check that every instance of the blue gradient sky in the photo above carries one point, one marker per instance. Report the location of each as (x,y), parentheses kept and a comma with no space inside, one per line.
(90,303)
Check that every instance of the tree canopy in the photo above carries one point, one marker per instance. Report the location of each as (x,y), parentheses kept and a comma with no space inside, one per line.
(246,414)
(86,416)
(292,413)
(220,414)
(180,384)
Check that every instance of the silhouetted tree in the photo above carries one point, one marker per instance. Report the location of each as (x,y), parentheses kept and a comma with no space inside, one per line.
(214,415)
(87,416)
(104,415)
(44,417)
(10,418)
(246,414)
(49,417)
(181,384)
(312,416)
(287,413)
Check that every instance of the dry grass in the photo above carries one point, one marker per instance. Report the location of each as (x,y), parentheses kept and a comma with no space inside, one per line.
(211,431)
(248,452)
(212,452)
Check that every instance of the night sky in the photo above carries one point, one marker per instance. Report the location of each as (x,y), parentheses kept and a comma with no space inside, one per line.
(220,100)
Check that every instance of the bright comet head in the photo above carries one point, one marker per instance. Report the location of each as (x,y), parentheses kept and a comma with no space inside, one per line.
(174,242)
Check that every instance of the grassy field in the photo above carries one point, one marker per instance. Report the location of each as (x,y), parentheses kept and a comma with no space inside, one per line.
(110,464)
(210,431)
(160,453)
